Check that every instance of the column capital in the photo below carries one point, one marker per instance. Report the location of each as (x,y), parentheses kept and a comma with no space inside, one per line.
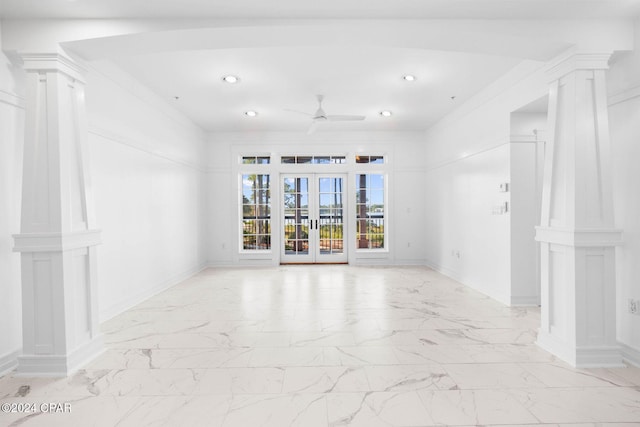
(52,62)
(575,61)
(584,238)
(56,241)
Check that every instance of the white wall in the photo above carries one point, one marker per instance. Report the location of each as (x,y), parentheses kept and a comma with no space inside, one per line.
(11,135)
(624,115)
(465,238)
(149,190)
(405,168)
(471,139)
(468,157)
(525,194)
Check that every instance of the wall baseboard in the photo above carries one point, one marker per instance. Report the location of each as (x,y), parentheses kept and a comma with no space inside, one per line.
(358,262)
(452,274)
(220,264)
(528,301)
(602,356)
(143,296)
(409,262)
(9,361)
(630,355)
(442,270)
(60,365)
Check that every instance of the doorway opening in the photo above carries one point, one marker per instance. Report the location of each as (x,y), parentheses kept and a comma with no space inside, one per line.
(527,151)
(314,226)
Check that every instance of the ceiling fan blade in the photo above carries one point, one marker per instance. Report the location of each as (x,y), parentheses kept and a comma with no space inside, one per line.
(297,111)
(312,128)
(344,118)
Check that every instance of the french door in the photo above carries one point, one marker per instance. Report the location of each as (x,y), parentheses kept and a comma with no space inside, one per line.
(313,218)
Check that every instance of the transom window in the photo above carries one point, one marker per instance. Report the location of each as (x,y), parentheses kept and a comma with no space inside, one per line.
(256,160)
(315,160)
(378,160)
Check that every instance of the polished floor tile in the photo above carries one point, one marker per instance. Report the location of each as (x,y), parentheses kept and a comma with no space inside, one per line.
(326,346)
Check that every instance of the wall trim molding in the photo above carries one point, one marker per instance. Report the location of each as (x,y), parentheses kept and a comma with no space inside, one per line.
(9,361)
(133,87)
(467,156)
(523,139)
(219,170)
(136,299)
(12,99)
(137,145)
(398,169)
(630,355)
(625,95)
(332,140)
(514,77)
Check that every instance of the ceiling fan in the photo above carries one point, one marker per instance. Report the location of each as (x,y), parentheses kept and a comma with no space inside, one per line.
(321,116)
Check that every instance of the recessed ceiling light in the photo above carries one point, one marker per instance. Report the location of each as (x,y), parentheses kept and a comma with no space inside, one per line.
(409,77)
(231,79)
(251,113)
(385,113)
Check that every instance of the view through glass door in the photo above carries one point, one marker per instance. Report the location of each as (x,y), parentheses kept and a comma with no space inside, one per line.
(313,224)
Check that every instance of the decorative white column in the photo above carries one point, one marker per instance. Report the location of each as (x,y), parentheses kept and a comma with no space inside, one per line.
(577,236)
(57,241)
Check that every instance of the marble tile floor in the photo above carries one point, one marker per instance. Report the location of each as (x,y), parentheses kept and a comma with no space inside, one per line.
(326,346)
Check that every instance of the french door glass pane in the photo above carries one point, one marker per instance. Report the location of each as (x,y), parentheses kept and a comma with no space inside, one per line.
(296,216)
(330,210)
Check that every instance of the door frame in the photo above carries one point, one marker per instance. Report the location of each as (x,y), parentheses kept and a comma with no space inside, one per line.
(314,255)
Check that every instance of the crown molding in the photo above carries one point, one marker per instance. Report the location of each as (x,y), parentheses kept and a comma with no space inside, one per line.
(36,62)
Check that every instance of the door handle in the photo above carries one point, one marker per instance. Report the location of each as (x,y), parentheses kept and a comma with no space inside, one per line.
(316,224)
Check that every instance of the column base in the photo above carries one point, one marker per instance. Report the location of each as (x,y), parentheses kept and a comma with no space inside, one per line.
(593,356)
(55,365)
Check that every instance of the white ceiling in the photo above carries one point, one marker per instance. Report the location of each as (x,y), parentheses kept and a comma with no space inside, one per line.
(354,81)
(362,76)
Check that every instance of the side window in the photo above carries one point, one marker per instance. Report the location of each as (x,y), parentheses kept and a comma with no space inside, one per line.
(256,212)
(370,208)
